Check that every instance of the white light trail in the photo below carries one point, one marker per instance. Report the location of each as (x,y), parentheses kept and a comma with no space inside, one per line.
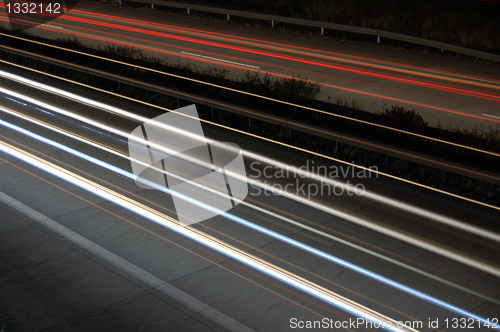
(252,206)
(370,195)
(207,240)
(336,212)
(253,226)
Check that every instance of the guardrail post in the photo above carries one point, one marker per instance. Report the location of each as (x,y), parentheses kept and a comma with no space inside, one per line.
(322,30)
(272,23)
(152,6)
(378,39)
(187,10)
(212,109)
(249,122)
(228,17)
(120,2)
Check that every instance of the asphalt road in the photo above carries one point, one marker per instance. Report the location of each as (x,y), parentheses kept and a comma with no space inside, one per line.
(443,90)
(72,260)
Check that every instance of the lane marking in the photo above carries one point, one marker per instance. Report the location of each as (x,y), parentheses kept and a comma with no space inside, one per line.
(491,116)
(37,24)
(221,60)
(52,26)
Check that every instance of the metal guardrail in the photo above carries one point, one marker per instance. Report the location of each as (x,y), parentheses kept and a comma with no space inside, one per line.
(323,25)
(256,115)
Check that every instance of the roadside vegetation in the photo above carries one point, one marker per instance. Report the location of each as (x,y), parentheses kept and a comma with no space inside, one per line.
(296,90)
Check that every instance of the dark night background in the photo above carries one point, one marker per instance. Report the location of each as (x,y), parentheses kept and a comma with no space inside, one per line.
(470,23)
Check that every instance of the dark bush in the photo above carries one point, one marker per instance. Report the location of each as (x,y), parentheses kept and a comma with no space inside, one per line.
(279,87)
(398,117)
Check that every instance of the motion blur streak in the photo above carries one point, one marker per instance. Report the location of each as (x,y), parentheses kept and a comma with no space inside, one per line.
(207,240)
(262,97)
(352,218)
(376,197)
(380,64)
(301,60)
(272,214)
(202,255)
(386,97)
(130,194)
(130,115)
(248,224)
(39,86)
(283,57)
(383,199)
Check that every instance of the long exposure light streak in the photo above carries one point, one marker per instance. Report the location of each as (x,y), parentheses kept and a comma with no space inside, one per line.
(208,241)
(114,185)
(340,87)
(292,146)
(305,51)
(248,224)
(259,96)
(328,55)
(376,197)
(252,206)
(339,213)
(284,57)
(389,201)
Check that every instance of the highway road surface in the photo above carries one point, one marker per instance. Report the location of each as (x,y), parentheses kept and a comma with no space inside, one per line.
(85,248)
(443,90)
